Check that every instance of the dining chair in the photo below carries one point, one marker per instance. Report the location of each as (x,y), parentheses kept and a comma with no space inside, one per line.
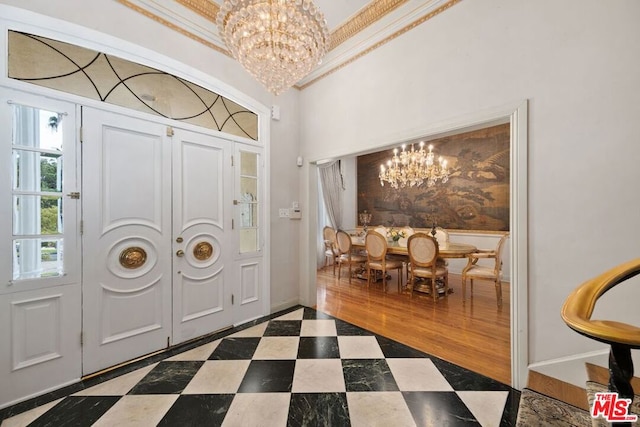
(491,273)
(330,247)
(423,263)
(345,253)
(442,236)
(382,230)
(376,246)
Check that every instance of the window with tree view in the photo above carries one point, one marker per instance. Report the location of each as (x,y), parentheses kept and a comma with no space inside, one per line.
(38,244)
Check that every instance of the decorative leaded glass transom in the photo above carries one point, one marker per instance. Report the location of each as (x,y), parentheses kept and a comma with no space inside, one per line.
(85,72)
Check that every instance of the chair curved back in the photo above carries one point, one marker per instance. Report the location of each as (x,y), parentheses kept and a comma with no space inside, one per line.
(344,242)
(381,230)
(376,246)
(423,250)
(499,249)
(442,236)
(329,234)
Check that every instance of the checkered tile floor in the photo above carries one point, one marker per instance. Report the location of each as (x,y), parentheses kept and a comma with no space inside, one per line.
(302,368)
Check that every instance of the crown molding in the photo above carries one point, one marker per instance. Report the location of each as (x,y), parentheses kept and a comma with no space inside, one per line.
(403,19)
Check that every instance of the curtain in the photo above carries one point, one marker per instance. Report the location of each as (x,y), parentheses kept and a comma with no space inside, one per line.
(332,187)
(323,220)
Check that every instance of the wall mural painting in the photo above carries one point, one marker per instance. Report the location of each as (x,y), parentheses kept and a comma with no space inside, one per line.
(476,197)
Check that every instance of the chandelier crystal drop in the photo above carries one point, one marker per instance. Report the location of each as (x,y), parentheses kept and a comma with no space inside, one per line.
(277,41)
(413,167)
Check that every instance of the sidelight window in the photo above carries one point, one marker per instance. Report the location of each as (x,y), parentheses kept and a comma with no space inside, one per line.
(37,189)
(249,226)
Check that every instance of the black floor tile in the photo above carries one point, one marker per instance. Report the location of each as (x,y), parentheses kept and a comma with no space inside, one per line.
(268,376)
(195,410)
(463,379)
(431,408)
(167,378)
(368,375)
(76,411)
(346,329)
(393,349)
(318,348)
(311,314)
(235,349)
(318,409)
(283,328)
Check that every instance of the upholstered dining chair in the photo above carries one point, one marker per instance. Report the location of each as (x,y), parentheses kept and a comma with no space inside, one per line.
(330,247)
(376,246)
(491,273)
(442,236)
(423,263)
(345,254)
(382,230)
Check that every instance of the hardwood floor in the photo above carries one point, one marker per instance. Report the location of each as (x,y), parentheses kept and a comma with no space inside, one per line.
(474,335)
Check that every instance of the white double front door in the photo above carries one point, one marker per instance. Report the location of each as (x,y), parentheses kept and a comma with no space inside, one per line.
(158,243)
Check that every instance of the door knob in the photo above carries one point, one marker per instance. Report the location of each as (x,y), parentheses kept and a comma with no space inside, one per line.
(180,253)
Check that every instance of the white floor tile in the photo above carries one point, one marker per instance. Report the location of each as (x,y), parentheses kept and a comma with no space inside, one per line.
(137,410)
(118,386)
(273,348)
(357,347)
(318,376)
(486,406)
(372,409)
(254,331)
(218,377)
(199,353)
(258,409)
(417,375)
(318,328)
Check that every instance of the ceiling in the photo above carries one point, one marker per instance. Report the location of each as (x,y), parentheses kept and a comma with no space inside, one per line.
(356,26)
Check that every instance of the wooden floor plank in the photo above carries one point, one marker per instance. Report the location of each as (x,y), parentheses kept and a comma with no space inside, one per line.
(474,335)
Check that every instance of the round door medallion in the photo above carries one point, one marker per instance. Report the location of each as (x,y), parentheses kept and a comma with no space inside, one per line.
(133,257)
(203,251)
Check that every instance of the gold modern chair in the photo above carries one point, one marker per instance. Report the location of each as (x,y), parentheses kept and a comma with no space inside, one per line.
(376,247)
(423,262)
(491,273)
(330,247)
(345,254)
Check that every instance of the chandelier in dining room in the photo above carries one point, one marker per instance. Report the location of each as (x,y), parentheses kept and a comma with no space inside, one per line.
(277,41)
(409,168)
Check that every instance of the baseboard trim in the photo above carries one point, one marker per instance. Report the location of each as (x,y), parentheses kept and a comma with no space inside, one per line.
(285,305)
(558,389)
(600,375)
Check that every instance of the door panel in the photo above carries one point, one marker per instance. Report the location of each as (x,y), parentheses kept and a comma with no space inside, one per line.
(39,246)
(127,226)
(202,230)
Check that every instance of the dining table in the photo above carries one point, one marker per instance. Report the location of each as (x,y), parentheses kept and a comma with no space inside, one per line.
(448,250)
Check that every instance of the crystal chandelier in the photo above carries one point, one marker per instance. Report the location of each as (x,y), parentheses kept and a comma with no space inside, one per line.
(277,41)
(413,167)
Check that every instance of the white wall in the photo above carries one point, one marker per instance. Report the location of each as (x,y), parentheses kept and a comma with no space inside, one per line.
(573,60)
